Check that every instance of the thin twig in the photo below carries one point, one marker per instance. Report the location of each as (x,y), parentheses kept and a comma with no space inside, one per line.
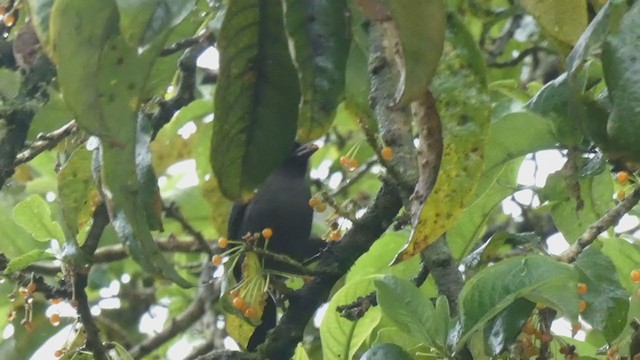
(46,142)
(285,260)
(609,219)
(172,211)
(182,322)
(357,174)
(521,56)
(204,38)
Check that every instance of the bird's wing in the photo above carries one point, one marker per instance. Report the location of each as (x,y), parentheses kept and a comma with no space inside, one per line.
(234,226)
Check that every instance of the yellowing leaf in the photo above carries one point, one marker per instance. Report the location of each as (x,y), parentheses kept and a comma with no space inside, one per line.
(563,20)
(464,107)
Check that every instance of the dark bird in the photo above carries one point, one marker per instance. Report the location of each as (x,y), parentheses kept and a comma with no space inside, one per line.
(281,204)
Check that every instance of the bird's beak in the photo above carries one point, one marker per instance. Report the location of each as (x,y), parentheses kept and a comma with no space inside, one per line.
(306,150)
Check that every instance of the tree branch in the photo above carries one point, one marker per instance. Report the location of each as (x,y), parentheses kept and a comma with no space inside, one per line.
(609,219)
(46,142)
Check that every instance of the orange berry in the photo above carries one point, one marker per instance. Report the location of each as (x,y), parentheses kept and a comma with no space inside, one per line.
(54,319)
(353,163)
(622,177)
(314,202)
(620,195)
(23,292)
(335,236)
(234,293)
(529,329)
(386,153)
(58,353)
(31,288)
(582,288)
(216,260)
(267,233)
(250,313)
(239,304)
(55,301)
(27,324)
(635,275)
(9,20)
(344,160)
(223,243)
(576,327)
(582,306)
(546,337)
(321,207)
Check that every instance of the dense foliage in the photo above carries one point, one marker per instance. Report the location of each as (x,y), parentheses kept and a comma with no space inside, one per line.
(129,127)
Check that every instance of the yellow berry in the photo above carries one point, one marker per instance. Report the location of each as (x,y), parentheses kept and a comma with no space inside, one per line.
(216,260)
(321,207)
(234,293)
(635,275)
(58,353)
(386,153)
(9,20)
(55,301)
(582,306)
(335,236)
(620,195)
(314,202)
(582,288)
(55,319)
(267,233)
(353,163)
(576,327)
(223,243)
(622,177)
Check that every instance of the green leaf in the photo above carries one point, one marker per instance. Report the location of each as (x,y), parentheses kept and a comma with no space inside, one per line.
(340,337)
(34,215)
(376,260)
(625,255)
(300,353)
(622,74)
(21,262)
(592,38)
(386,352)
(607,301)
(507,141)
(319,42)
(553,19)
(408,309)
(40,13)
(496,287)
(51,116)
(142,21)
(256,100)
(9,83)
(503,330)
(464,107)
(77,192)
(464,235)
(421,28)
(595,193)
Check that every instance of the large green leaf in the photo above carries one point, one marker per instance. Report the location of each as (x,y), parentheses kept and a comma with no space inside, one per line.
(34,215)
(319,42)
(625,255)
(503,330)
(493,289)
(607,301)
(564,21)
(464,107)
(409,310)
(102,80)
(257,97)
(376,260)
(421,29)
(142,21)
(622,75)
(340,337)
